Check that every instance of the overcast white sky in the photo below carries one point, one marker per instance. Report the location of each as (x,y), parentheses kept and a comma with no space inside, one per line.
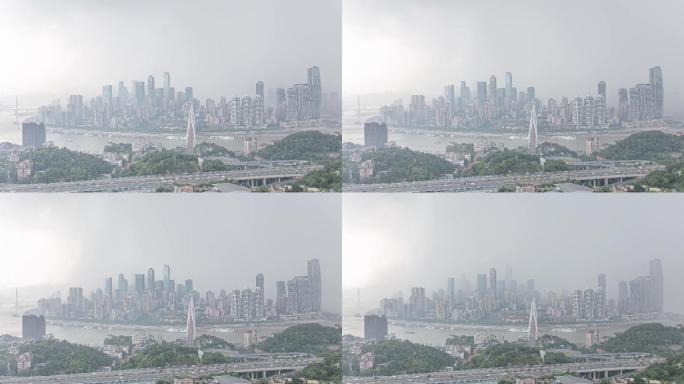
(218,241)
(221,47)
(394,242)
(560,47)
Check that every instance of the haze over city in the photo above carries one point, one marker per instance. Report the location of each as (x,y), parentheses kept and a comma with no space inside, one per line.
(80,240)
(221,48)
(405,241)
(393,49)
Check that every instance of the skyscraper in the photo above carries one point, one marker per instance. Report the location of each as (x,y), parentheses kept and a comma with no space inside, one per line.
(32,134)
(623,104)
(374,134)
(314,80)
(602,89)
(166,272)
(190,132)
(532,134)
(374,327)
(314,275)
(451,288)
(532,331)
(260,281)
(492,285)
(32,327)
(281,297)
(656,273)
(190,325)
(150,280)
(656,81)
(260,89)
(167,86)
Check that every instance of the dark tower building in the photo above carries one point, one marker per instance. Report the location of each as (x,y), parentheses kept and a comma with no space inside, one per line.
(32,134)
(375,134)
(260,281)
(375,327)
(32,327)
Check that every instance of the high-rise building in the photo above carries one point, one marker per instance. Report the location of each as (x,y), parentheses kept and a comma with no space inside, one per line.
(75,110)
(532,330)
(314,81)
(260,281)
(623,104)
(258,110)
(491,93)
(375,134)
(641,295)
(109,288)
(451,288)
(532,133)
(493,285)
(450,96)
(190,324)
(190,139)
(417,302)
(481,92)
(374,327)
(139,283)
(236,112)
(602,89)
(32,327)
(305,101)
(32,134)
(168,95)
(656,81)
(166,273)
(509,84)
(281,297)
(260,89)
(75,301)
(482,283)
(150,280)
(281,105)
(656,274)
(150,89)
(139,92)
(623,298)
(417,112)
(314,276)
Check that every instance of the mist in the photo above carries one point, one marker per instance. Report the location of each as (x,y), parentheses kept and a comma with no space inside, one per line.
(220,242)
(396,48)
(221,48)
(394,242)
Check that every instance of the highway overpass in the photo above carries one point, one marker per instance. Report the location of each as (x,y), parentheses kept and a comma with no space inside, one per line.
(492,183)
(151,375)
(493,375)
(253,176)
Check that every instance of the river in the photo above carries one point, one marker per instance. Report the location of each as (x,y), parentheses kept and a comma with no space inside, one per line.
(94,334)
(437,141)
(436,334)
(92,141)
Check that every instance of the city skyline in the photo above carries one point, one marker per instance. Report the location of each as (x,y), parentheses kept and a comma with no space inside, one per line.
(467,236)
(395,49)
(212,240)
(499,295)
(173,37)
(133,296)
